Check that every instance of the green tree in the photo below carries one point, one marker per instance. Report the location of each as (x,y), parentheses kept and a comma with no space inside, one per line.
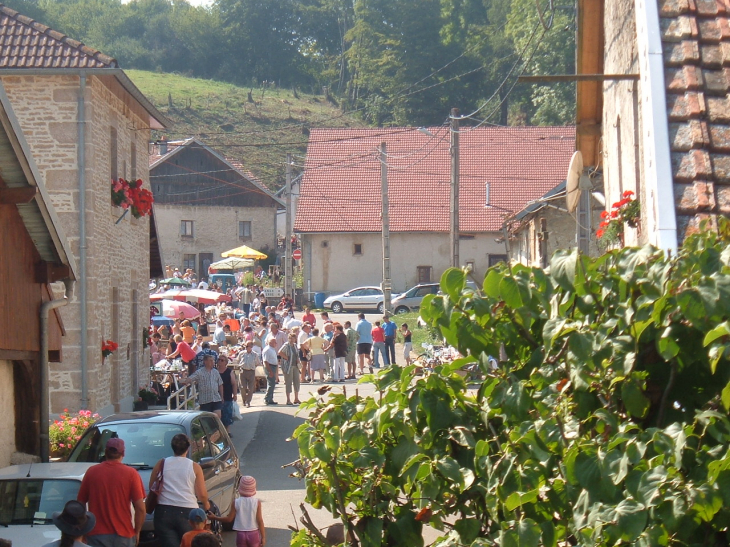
(606,425)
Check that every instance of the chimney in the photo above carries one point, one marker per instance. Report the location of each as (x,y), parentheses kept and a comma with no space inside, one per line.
(162,146)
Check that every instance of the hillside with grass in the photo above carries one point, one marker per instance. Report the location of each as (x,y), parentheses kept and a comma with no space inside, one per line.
(256,126)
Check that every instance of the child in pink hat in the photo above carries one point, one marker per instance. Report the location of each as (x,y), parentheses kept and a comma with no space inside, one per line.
(246,516)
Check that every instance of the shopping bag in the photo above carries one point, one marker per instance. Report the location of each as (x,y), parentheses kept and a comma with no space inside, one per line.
(236,411)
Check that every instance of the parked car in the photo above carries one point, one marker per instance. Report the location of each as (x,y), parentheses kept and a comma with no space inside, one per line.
(147,437)
(30,494)
(411,299)
(359,299)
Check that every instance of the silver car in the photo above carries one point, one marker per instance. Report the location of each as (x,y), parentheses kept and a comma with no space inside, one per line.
(411,299)
(359,299)
(30,494)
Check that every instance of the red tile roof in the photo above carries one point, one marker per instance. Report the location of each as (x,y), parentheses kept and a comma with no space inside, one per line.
(340,189)
(25,43)
(696,43)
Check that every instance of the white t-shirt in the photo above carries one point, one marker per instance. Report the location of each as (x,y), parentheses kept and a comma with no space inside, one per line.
(270,356)
(246,508)
(303,337)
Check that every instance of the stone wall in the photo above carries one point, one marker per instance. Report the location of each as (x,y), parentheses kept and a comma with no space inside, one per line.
(622,160)
(335,267)
(561,230)
(215,230)
(117,254)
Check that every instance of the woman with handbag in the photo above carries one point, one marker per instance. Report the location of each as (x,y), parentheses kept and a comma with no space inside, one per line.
(179,484)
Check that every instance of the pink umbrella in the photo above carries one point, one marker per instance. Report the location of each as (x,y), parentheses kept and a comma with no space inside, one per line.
(171,308)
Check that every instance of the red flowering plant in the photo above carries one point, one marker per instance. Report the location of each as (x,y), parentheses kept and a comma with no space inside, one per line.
(67,430)
(611,229)
(108,347)
(129,195)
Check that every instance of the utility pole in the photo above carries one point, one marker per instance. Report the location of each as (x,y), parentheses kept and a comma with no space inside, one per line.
(386,227)
(288,285)
(454,202)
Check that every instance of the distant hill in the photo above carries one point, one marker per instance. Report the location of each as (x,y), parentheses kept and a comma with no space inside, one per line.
(257,130)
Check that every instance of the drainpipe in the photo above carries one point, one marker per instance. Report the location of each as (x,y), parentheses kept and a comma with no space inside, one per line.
(46,308)
(81,161)
(659,188)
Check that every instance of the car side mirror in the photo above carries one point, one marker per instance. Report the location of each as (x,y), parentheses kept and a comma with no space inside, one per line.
(207,463)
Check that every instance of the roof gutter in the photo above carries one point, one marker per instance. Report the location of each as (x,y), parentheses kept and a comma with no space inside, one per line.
(659,187)
(118,73)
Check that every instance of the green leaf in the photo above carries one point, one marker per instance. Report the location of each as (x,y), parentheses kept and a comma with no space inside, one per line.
(723,329)
(452,282)
(491,283)
(634,399)
(518,499)
(468,529)
(726,396)
(450,469)
(526,534)
(562,267)
(631,518)
(510,292)
(668,348)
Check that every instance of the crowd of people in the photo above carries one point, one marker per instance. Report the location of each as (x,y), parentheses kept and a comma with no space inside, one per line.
(273,341)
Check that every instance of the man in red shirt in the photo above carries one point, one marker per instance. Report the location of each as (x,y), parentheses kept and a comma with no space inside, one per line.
(109,488)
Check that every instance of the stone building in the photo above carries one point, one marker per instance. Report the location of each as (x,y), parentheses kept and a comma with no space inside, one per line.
(206,204)
(658,121)
(545,226)
(339,209)
(86,123)
(35,254)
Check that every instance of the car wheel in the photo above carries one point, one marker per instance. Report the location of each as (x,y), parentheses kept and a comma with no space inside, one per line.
(400,310)
(336,307)
(381,308)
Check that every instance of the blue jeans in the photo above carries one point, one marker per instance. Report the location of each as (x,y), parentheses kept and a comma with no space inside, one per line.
(379,347)
(390,349)
(271,382)
(227,413)
(110,540)
(171,523)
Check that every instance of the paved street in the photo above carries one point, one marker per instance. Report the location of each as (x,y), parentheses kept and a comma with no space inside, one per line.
(260,439)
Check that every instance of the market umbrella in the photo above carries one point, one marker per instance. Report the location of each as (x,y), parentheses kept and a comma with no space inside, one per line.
(172,294)
(176,281)
(232,263)
(244,251)
(191,295)
(202,296)
(172,308)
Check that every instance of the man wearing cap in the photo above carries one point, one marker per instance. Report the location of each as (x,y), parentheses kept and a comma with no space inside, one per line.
(111,490)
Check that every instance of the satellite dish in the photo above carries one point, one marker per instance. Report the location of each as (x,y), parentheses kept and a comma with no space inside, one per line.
(572,181)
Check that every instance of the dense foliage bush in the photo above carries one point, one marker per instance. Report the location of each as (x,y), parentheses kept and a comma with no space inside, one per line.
(606,425)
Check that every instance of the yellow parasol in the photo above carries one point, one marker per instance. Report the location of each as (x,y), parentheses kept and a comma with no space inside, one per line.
(244,252)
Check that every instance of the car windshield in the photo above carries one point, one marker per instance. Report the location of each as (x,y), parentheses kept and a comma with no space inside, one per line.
(144,443)
(33,501)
